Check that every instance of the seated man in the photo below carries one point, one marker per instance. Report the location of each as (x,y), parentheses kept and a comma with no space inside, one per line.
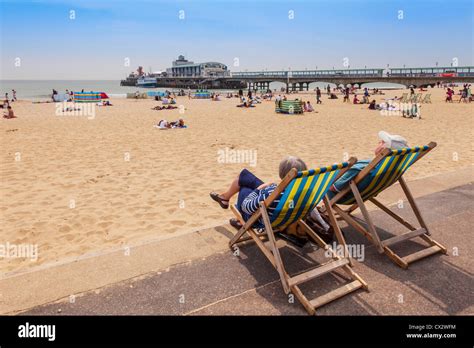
(252,191)
(10,113)
(386,141)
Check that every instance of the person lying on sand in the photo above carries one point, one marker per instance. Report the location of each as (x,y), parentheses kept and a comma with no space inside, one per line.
(163,124)
(10,113)
(251,190)
(168,107)
(246,105)
(386,140)
(178,124)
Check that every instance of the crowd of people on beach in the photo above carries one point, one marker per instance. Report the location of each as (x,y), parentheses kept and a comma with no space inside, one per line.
(251,99)
(465,94)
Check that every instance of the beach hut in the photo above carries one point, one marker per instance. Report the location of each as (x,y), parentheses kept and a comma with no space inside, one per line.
(288,107)
(202,94)
(88,97)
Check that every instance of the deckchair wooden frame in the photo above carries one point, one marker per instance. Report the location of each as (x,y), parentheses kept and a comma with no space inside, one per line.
(370,231)
(266,242)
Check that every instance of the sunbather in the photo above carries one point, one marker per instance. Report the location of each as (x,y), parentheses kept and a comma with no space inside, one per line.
(163,124)
(252,190)
(178,124)
(386,141)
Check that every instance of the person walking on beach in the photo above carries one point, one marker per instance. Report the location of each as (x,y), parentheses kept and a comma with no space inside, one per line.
(328,89)
(14,95)
(346,95)
(463,94)
(449,95)
(318,96)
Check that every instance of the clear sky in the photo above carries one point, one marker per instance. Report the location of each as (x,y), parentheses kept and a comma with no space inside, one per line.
(43,39)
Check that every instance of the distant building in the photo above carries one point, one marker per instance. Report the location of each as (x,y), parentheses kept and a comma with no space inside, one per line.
(185,68)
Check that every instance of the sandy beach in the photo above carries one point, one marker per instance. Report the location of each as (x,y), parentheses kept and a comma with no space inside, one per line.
(75,185)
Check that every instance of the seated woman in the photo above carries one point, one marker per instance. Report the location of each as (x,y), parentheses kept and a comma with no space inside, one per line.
(172,101)
(309,107)
(372,105)
(355,100)
(251,190)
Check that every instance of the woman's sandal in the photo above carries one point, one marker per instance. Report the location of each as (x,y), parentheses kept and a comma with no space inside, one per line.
(235,223)
(224,203)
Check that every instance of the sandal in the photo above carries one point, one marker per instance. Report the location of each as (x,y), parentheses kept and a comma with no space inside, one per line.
(235,223)
(224,203)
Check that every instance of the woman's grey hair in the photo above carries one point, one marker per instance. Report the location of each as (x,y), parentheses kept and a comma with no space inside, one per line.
(289,163)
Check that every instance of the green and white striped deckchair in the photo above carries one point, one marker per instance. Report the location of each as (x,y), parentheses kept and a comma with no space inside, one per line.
(298,194)
(288,107)
(383,171)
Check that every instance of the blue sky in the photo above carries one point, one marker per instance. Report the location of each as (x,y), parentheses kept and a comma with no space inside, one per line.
(260,34)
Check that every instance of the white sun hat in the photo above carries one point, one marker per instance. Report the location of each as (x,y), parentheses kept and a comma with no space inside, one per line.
(393,141)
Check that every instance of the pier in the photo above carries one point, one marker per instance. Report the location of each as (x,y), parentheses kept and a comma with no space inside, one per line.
(301,79)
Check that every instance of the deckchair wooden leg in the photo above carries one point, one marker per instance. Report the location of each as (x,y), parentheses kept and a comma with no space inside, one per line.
(395,258)
(413,205)
(337,230)
(312,234)
(273,247)
(241,220)
(418,215)
(393,214)
(244,228)
(351,221)
(304,301)
(368,220)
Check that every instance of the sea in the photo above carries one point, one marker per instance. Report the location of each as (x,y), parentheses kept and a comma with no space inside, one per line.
(42,89)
